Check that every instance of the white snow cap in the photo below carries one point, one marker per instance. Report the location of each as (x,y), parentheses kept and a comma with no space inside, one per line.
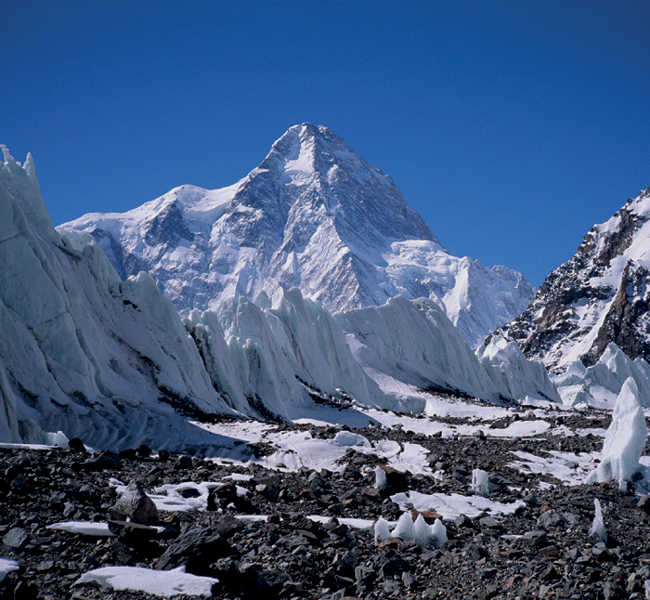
(624,440)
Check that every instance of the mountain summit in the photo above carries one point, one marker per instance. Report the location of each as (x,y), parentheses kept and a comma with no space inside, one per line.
(313,215)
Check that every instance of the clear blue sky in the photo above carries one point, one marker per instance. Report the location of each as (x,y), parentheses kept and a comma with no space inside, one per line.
(511,126)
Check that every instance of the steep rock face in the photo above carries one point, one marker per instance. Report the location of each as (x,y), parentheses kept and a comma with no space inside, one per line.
(313,215)
(600,296)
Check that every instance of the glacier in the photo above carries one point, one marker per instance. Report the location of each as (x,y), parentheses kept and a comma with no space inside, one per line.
(312,215)
(111,361)
(82,351)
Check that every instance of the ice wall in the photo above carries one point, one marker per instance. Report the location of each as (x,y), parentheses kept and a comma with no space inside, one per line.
(316,346)
(413,344)
(510,370)
(80,351)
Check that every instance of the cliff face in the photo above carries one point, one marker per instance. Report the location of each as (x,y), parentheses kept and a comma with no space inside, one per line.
(598,297)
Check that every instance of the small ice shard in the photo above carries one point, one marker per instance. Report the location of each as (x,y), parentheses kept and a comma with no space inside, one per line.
(439,533)
(598,526)
(382,532)
(380,475)
(404,530)
(480,483)
(624,440)
(58,439)
(423,533)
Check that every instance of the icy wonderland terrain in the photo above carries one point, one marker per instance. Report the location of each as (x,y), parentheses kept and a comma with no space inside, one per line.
(269,447)
(111,361)
(313,215)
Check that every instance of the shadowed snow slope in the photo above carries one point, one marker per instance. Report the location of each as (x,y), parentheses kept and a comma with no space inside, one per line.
(313,215)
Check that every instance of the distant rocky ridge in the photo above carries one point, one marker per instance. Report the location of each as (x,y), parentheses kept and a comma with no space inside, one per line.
(313,215)
(599,297)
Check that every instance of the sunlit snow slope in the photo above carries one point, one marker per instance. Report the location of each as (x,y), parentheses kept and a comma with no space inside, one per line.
(313,215)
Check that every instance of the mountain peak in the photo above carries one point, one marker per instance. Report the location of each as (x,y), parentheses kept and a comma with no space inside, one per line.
(306,151)
(313,215)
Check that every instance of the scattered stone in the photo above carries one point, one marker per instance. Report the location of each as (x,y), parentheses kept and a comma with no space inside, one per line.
(528,554)
(136,505)
(76,445)
(16,538)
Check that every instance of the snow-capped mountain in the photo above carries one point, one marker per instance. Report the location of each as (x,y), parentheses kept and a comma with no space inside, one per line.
(600,296)
(111,361)
(313,215)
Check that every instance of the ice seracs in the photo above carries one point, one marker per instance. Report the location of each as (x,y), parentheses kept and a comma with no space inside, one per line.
(406,346)
(313,215)
(624,441)
(599,384)
(509,369)
(82,351)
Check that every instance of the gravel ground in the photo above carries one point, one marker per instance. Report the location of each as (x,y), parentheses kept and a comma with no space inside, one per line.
(544,550)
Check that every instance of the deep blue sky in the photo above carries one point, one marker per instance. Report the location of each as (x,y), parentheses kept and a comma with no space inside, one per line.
(511,126)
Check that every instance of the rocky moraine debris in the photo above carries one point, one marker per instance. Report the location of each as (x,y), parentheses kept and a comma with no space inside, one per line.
(255,535)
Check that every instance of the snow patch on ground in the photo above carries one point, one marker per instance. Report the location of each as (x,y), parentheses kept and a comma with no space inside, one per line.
(7,566)
(452,505)
(571,469)
(83,528)
(150,581)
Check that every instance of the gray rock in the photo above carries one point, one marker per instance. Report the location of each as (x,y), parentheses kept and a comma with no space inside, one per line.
(136,505)
(534,538)
(551,519)
(392,565)
(17,538)
(195,549)
(408,580)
